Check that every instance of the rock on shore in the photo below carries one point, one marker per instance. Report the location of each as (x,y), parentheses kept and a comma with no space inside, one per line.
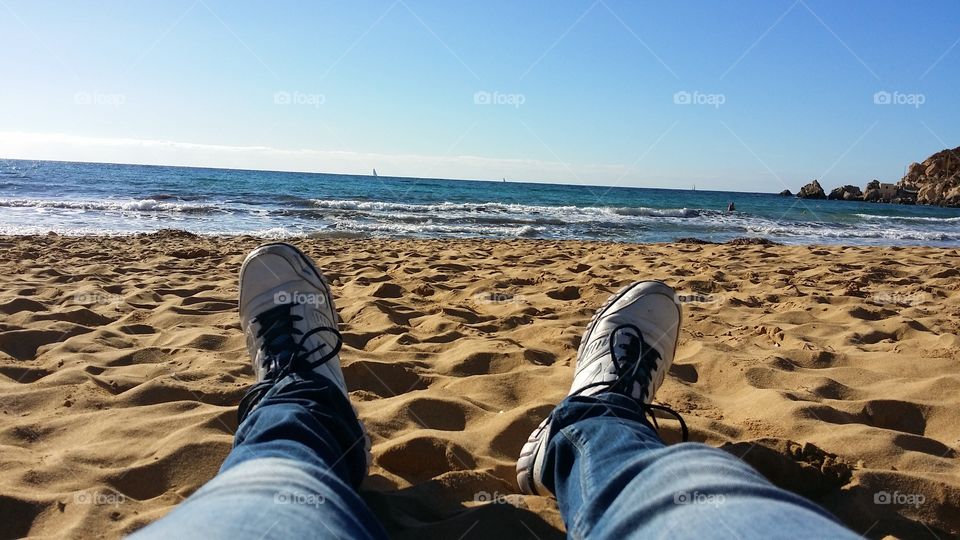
(846,193)
(936,180)
(812,191)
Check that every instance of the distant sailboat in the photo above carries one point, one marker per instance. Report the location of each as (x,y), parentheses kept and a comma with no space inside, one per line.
(504,179)
(375,173)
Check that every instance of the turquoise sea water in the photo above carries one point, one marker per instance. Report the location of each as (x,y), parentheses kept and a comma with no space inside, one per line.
(83,198)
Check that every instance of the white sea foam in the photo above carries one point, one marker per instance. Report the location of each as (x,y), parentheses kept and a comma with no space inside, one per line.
(811,233)
(140,205)
(294,217)
(919,219)
(596,212)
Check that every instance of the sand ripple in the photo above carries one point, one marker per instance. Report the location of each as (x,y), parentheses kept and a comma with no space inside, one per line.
(833,370)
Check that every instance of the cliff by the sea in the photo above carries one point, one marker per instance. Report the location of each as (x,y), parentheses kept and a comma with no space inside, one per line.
(936,180)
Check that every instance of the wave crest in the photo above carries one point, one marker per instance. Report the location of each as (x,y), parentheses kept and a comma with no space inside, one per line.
(142,205)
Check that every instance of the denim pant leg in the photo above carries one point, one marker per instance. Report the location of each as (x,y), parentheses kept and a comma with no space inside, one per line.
(293,471)
(615,478)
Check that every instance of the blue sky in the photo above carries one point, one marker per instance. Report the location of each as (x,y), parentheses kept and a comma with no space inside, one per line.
(752,96)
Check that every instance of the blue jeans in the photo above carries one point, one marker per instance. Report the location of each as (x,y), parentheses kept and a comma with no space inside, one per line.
(299,457)
(296,463)
(615,478)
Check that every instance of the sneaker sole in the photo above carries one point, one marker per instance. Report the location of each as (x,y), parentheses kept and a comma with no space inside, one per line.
(530,462)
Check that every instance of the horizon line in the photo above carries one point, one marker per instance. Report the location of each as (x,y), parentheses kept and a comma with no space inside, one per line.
(380,176)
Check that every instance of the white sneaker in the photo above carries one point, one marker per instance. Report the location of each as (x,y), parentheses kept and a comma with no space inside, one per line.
(628,348)
(287,312)
(288,317)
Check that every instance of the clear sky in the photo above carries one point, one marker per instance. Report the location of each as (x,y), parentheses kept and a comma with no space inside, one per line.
(751,95)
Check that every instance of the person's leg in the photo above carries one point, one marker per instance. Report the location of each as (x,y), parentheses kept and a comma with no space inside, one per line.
(615,478)
(300,451)
(612,474)
(292,473)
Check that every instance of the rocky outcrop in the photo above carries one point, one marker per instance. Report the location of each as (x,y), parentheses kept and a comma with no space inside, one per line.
(812,191)
(934,181)
(786,193)
(888,193)
(846,193)
(872,193)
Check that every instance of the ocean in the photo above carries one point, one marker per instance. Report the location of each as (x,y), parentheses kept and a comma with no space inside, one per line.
(89,198)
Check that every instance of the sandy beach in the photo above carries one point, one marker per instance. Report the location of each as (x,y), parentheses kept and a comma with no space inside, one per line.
(834,370)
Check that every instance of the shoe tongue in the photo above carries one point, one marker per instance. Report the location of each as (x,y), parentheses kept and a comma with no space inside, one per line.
(279,352)
(281,346)
(279,341)
(626,346)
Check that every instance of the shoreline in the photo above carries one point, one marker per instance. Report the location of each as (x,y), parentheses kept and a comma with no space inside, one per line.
(321,237)
(274,206)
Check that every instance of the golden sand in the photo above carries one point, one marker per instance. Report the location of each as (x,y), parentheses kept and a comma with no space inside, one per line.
(834,370)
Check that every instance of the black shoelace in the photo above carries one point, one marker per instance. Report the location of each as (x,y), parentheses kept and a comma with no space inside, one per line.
(638,371)
(285,354)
